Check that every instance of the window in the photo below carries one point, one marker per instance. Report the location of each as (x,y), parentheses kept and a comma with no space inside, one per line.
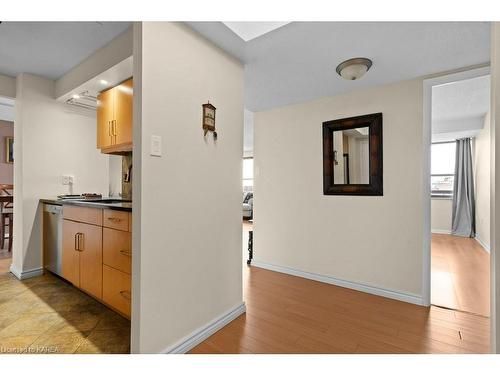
(247,174)
(442,169)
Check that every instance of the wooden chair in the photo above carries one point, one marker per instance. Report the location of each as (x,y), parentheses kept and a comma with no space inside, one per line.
(6,219)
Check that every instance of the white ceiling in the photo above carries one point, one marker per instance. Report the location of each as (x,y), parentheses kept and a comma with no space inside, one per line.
(458,108)
(50,49)
(251,30)
(297,61)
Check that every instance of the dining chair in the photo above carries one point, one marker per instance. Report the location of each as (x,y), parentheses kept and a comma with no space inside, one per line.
(6,218)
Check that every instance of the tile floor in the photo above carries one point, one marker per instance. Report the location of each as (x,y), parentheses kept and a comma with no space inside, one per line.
(45,314)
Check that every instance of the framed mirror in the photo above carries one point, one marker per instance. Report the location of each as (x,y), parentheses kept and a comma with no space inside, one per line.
(352,156)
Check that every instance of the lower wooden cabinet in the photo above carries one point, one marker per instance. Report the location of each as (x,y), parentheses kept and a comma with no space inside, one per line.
(82,256)
(70,254)
(90,248)
(116,290)
(117,249)
(97,254)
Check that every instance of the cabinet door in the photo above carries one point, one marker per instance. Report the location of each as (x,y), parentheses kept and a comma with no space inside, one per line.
(90,246)
(123,112)
(105,115)
(70,255)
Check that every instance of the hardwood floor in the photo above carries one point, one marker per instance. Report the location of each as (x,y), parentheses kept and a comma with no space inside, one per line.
(5,260)
(288,314)
(460,276)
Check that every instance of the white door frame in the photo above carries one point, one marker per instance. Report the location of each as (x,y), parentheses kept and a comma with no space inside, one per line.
(426,178)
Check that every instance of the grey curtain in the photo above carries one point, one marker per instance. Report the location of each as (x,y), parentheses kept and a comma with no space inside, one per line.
(463,214)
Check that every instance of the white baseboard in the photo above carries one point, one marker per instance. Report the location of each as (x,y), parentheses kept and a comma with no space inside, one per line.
(481,242)
(201,334)
(410,298)
(23,275)
(440,231)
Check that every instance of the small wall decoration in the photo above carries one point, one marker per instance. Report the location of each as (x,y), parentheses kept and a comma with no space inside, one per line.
(209,119)
(9,149)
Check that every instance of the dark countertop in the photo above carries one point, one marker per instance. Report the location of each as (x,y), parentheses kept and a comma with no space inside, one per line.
(119,206)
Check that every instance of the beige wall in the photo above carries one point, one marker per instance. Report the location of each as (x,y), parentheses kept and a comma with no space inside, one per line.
(187,264)
(374,241)
(441,215)
(52,139)
(482,156)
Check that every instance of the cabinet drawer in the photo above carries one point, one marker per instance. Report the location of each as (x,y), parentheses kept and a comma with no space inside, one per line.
(117,249)
(116,289)
(115,219)
(83,214)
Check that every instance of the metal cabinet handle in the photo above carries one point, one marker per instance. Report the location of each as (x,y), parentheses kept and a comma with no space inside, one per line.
(76,241)
(115,219)
(126,253)
(80,236)
(125,294)
(114,128)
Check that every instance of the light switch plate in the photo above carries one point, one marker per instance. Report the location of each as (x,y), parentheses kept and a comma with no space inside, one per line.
(155,145)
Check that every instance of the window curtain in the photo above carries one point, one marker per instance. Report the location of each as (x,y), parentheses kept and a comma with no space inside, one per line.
(463,211)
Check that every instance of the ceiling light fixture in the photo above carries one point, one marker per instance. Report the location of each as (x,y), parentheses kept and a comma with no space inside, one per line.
(103,82)
(353,69)
(76,96)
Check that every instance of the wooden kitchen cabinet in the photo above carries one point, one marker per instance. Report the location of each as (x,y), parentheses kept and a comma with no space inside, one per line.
(70,254)
(117,249)
(105,115)
(117,289)
(82,256)
(90,249)
(115,219)
(97,254)
(123,113)
(114,119)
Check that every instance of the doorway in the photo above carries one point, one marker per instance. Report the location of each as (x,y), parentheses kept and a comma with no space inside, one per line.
(457,239)
(6,182)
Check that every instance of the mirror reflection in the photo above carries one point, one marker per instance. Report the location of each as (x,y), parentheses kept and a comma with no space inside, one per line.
(351,151)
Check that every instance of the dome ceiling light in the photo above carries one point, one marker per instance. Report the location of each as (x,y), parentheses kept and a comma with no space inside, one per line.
(353,69)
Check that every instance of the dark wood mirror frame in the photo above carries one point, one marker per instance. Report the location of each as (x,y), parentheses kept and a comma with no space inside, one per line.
(375,185)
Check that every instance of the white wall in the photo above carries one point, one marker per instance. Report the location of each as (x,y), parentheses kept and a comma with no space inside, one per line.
(52,139)
(482,156)
(187,266)
(374,241)
(441,215)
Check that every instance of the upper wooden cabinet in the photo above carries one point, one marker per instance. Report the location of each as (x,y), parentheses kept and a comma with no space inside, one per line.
(114,119)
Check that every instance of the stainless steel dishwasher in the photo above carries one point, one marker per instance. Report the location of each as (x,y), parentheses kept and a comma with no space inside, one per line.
(52,238)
